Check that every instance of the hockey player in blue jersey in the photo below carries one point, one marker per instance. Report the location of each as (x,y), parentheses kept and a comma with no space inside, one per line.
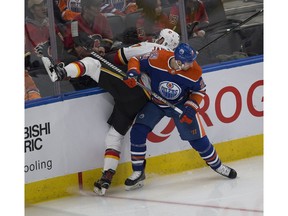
(176,77)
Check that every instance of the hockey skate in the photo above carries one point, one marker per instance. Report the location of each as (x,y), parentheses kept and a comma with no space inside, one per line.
(135,181)
(104,182)
(55,72)
(226,171)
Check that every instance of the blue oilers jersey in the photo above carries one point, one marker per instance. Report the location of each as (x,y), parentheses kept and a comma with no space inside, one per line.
(174,86)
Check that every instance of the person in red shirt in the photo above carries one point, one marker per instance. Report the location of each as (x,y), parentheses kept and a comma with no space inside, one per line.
(195,14)
(36,25)
(151,21)
(37,37)
(93,28)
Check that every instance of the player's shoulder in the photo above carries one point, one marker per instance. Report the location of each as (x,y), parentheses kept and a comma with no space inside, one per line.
(160,55)
(160,59)
(193,74)
(154,46)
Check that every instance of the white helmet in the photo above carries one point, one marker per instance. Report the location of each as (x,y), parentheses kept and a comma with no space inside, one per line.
(171,38)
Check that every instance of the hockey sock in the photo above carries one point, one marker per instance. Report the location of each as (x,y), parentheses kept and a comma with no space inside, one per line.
(113,142)
(87,66)
(111,159)
(75,69)
(138,148)
(207,152)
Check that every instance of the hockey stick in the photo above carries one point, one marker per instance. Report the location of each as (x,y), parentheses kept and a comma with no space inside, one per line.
(228,31)
(75,35)
(122,73)
(190,33)
(116,75)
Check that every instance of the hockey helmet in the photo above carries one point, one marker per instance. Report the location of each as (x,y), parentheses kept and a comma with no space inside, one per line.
(184,56)
(171,38)
(185,53)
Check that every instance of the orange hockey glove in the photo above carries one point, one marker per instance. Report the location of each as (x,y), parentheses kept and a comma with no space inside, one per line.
(189,112)
(131,78)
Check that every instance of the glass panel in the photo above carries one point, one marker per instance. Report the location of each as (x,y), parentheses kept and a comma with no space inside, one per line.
(106,26)
(234,31)
(43,38)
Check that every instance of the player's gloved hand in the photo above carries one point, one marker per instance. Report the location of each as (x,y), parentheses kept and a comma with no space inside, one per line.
(131,78)
(42,49)
(189,112)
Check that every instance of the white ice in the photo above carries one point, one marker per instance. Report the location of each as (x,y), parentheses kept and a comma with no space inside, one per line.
(200,192)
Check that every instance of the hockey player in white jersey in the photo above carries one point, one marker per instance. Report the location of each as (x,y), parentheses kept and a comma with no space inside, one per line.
(128,102)
(167,39)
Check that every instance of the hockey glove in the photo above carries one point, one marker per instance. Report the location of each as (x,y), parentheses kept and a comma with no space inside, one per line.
(42,49)
(191,28)
(189,112)
(131,78)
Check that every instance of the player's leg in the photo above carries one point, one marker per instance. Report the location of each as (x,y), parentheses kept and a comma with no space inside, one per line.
(120,123)
(113,142)
(208,153)
(86,66)
(138,135)
(195,134)
(146,120)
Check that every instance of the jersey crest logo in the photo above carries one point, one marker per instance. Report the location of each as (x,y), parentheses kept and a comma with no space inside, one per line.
(169,90)
(153,54)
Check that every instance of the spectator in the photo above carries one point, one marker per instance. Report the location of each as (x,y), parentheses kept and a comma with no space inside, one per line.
(130,6)
(36,29)
(57,13)
(31,90)
(195,14)
(72,8)
(108,9)
(94,31)
(151,21)
(69,9)
(37,38)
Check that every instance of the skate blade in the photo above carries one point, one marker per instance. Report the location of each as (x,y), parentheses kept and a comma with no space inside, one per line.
(100,192)
(47,63)
(134,187)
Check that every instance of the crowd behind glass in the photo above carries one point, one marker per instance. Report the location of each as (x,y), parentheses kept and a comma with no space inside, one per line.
(106,26)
